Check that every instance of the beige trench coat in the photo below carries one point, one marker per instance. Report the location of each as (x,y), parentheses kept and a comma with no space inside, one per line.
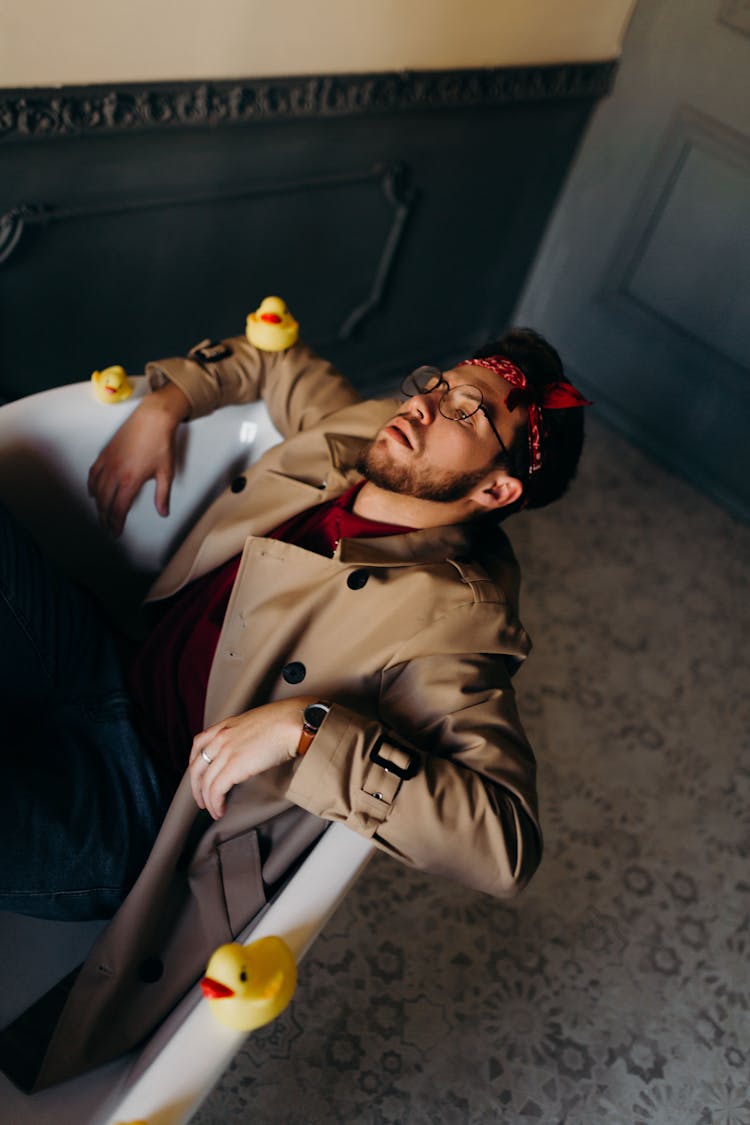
(414,638)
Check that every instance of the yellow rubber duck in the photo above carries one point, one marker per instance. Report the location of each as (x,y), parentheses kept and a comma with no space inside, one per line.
(272,328)
(111,384)
(247,986)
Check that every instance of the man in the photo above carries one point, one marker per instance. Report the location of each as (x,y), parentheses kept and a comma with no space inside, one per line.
(335,637)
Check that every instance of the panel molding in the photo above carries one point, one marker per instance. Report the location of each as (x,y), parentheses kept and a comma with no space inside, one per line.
(688,129)
(28,114)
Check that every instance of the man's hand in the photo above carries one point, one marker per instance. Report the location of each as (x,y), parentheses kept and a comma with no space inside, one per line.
(142,448)
(242,747)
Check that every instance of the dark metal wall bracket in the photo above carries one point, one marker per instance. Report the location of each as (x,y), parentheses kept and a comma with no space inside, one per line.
(393,180)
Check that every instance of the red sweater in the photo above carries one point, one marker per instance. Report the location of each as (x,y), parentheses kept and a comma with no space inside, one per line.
(168,676)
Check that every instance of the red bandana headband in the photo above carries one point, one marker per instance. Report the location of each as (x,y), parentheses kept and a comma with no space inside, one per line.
(552,396)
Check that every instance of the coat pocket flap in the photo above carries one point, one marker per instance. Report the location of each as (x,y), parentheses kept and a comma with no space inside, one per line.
(241,879)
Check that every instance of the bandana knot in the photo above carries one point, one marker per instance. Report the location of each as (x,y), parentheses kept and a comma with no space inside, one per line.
(559,395)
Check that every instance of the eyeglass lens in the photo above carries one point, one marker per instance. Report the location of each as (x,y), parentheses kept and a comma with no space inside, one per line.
(422,381)
(456,403)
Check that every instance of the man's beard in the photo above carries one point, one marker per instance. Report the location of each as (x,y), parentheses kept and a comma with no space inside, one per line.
(413,480)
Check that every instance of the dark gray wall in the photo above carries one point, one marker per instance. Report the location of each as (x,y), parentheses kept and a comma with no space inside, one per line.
(397,215)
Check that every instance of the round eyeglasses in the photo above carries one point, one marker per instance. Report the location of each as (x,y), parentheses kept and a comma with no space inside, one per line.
(455,403)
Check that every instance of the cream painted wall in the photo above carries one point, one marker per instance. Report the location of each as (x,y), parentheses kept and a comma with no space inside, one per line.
(46,43)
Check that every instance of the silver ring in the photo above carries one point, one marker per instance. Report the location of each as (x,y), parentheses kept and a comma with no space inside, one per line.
(206,758)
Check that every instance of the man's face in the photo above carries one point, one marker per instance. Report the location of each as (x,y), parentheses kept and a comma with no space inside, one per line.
(421,453)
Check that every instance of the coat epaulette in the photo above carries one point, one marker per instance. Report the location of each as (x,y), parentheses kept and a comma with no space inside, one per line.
(474,575)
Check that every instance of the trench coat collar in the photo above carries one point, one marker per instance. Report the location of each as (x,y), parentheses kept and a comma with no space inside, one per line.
(423,545)
(432,544)
(343,450)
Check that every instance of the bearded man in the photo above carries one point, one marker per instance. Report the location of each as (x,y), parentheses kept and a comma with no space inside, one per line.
(334,640)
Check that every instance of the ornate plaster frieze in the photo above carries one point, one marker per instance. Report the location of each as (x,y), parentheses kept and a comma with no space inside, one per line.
(72,111)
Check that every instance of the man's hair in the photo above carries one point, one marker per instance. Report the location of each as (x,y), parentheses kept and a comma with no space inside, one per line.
(562,430)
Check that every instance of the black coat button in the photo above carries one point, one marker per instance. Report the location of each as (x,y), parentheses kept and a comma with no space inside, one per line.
(357,579)
(238,484)
(295,672)
(151,969)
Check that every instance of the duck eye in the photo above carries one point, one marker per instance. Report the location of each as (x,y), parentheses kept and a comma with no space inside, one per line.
(243,975)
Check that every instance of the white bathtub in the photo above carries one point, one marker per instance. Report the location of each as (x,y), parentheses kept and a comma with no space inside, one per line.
(47,443)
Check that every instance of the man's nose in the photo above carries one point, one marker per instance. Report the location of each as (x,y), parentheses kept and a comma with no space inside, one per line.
(423,406)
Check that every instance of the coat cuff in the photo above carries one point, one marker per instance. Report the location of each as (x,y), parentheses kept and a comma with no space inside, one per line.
(337,779)
(213,373)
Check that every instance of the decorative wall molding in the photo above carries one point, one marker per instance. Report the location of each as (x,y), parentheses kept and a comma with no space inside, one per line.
(690,132)
(73,111)
(136,232)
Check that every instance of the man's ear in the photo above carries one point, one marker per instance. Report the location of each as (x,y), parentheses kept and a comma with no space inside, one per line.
(498,490)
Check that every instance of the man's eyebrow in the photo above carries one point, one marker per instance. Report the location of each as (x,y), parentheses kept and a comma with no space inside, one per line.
(491,395)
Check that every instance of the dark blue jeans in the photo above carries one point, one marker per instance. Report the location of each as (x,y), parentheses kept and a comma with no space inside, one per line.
(80,803)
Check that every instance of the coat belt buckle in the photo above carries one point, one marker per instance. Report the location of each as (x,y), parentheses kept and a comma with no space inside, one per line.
(403,772)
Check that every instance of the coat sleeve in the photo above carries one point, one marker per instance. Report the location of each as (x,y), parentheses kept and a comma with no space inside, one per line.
(299,388)
(454,793)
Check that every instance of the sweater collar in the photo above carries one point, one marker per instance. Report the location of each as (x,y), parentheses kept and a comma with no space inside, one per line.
(424,545)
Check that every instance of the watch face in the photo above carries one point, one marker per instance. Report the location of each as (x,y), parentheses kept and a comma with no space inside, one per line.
(315,713)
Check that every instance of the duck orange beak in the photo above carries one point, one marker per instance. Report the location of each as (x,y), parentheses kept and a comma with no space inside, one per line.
(215,990)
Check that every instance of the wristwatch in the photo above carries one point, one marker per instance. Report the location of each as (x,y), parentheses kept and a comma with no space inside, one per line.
(312,717)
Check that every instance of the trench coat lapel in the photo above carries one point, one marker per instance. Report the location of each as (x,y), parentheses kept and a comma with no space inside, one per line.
(272,491)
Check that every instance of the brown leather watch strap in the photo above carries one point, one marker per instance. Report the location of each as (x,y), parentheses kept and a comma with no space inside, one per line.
(305,739)
(312,717)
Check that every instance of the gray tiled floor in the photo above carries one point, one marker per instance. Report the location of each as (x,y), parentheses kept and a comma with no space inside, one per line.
(616,990)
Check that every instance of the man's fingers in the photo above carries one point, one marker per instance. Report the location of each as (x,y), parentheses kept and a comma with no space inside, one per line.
(199,764)
(210,783)
(117,513)
(115,506)
(163,489)
(95,485)
(141,450)
(119,505)
(197,768)
(105,495)
(113,495)
(114,489)
(201,741)
(240,747)
(216,785)
(92,479)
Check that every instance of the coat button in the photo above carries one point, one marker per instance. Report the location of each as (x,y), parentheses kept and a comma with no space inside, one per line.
(151,969)
(357,579)
(295,672)
(238,484)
